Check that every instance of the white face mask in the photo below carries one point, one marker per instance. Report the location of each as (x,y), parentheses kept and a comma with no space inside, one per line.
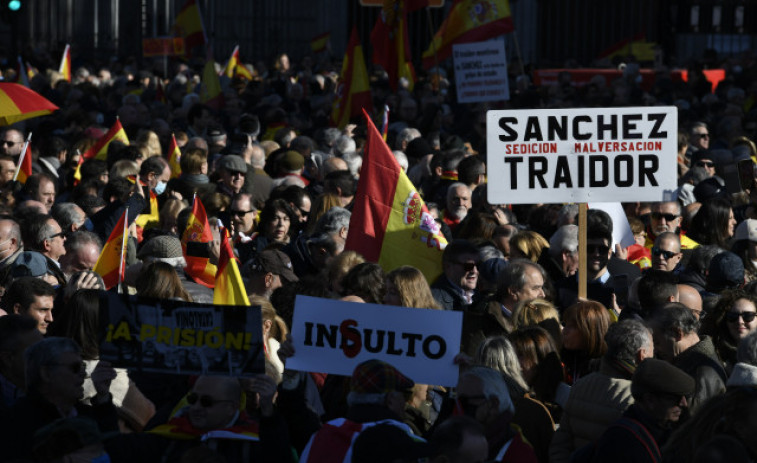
(160,187)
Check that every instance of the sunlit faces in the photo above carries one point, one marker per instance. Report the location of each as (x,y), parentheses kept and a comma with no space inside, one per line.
(740,319)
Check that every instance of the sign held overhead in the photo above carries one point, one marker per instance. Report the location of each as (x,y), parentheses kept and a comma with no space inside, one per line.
(582,154)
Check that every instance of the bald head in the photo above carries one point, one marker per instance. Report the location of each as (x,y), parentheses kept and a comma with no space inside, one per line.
(332,165)
(690,297)
(10,237)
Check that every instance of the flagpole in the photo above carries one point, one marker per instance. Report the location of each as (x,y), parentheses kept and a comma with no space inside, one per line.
(23,155)
(123,250)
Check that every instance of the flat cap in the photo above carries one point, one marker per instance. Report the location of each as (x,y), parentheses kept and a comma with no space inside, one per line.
(233,163)
(660,377)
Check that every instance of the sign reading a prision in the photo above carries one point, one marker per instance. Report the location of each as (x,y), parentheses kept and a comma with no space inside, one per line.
(581,155)
(335,336)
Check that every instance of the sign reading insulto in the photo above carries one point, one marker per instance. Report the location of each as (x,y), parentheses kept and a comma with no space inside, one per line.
(179,337)
(481,71)
(335,336)
(582,155)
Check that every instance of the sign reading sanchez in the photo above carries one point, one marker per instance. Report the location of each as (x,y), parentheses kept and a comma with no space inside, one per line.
(335,336)
(581,154)
(169,336)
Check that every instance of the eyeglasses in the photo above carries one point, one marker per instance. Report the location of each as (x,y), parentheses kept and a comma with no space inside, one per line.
(600,248)
(304,213)
(661,252)
(702,135)
(75,368)
(205,400)
(10,144)
(705,164)
(60,233)
(667,217)
(237,213)
(467,266)
(236,173)
(748,317)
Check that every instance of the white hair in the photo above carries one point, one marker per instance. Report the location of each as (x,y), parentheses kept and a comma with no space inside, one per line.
(401,159)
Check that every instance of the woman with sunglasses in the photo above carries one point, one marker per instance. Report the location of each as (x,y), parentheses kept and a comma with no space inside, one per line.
(734,319)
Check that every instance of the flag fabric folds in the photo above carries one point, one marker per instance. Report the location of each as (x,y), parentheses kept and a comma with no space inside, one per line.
(637,46)
(391,48)
(353,92)
(65,63)
(320,42)
(235,68)
(188,24)
(229,288)
(468,21)
(210,87)
(100,149)
(112,261)
(152,217)
(198,235)
(24,169)
(390,224)
(174,158)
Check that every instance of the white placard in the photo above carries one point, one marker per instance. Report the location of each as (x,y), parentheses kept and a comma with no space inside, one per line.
(621,229)
(581,155)
(335,336)
(481,71)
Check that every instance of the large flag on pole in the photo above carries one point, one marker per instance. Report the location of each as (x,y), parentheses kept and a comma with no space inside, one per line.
(65,63)
(188,24)
(234,66)
(210,87)
(174,157)
(24,169)
(468,21)
(100,149)
(229,289)
(390,224)
(353,92)
(112,261)
(391,48)
(194,241)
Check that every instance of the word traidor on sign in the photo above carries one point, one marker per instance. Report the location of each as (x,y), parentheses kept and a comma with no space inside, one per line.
(582,155)
(335,336)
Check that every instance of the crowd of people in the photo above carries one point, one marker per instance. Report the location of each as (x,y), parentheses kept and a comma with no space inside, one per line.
(658,363)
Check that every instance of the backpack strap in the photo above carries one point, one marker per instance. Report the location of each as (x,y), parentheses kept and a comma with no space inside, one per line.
(641,434)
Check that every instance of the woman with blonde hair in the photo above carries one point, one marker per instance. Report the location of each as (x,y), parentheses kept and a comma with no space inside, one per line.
(321,205)
(150,141)
(406,286)
(533,312)
(275,331)
(339,267)
(528,245)
(159,280)
(169,214)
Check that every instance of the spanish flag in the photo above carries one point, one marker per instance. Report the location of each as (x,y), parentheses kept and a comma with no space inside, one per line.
(100,149)
(468,21)
(31,71)
(320,42)
(151,218)
(229,289)
(198,235)
(188,24)
(65,63)
(112,261)
(353,92)
(174,158)
(390,224)
(235,68)
(391,48)
(210,87)
(24,169)
(636,46)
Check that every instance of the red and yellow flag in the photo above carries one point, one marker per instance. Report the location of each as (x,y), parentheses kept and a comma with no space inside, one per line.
(210,87)
(65,63)
(320,42)
(390,224)
(391,48)
(198,233)
(468,21)
(353,92)
(636,45)
(112,261)
(24,169)
(229,289)
(188,24)
(235,68)
(100,149)
(151,218)
(174,158)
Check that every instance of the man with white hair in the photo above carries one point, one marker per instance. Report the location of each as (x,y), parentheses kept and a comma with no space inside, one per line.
(458,204)
(82,251)
(482,394)
(560,259)
(406,136)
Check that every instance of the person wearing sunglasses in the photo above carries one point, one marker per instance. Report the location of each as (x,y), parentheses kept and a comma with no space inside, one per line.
(699,137)
(456,287)
(735,314)
(666,252)
(666,217)
(55,374)
(42,233)
(11,143)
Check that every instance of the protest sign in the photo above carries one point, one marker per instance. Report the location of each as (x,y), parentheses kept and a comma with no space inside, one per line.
(481,71)
(169,336)
(335,336)
(582,155)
